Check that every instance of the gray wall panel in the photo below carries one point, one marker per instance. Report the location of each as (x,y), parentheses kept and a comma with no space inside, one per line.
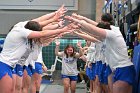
(9,17)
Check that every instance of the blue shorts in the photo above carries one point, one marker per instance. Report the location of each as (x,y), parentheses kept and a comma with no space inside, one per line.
(126,74)
(38,68)
(72,78)
(18,70)
(97,67)
(28,69)
(93,75)
(102,68)
(107,72)
(14,71)
(90,73)
(5,69)
(87,71)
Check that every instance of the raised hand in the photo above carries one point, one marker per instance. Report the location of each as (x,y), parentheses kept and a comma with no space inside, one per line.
(57,42)
(79,44)
(61,23)
(72,19)
(60,13)
(78,16)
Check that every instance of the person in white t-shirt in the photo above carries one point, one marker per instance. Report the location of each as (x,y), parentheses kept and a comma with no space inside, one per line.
(33,67)
(37,74)
(69,66)
(115,53)
(16,45)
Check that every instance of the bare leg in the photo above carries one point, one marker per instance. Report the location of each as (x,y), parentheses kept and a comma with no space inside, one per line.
(6,84)
(18,85)
(104,88)
(94,86)
(122,87)
(98,85)
(36,82)
(66,83)
(110,84)
(73,86)
(26,82)
(81,74)
(91,85)
(14,82)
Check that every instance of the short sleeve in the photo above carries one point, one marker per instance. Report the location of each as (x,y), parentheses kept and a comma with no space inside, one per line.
(25,32)
(19,27)
(110,34)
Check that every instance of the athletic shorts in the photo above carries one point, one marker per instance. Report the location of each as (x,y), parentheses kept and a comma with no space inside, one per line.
(18,70)
(126,74)
(14,71)
(102,69)
(38,68)
(97,67)
(107,72)
(88,71)
(72,78)
(93,71)
(5,69)
(28,69)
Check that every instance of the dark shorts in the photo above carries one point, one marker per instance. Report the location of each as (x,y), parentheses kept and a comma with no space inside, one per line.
(72,78)
(5,69)
(126,74)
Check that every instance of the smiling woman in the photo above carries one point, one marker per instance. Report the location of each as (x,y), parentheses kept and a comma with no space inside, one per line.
(69,70)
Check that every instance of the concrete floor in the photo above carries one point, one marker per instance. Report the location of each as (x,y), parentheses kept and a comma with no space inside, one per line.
(56,87)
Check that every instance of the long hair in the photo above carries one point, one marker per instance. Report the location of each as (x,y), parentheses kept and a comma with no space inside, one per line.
(65,51)
(35,26)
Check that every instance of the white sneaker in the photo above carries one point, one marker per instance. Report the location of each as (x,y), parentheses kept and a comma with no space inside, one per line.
(82,82)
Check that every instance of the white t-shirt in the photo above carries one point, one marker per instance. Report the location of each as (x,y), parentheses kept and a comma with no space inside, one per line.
(91,53)
(16,44)
(98,46)
(69,66)
(40,59)
(116,49)
(34,56)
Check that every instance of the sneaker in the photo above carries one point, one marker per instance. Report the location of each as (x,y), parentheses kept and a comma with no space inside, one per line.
(82,82)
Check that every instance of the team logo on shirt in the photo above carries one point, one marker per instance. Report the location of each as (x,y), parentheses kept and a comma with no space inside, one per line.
(69,60)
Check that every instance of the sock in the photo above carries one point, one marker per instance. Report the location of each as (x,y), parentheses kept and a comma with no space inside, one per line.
(37,91)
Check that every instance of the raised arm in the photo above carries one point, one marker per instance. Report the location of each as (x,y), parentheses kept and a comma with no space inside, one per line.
(85,19)
(78,55)
(57,53)
(90,28)
(52,17)
(86,36)
(54,25)
(47,33)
